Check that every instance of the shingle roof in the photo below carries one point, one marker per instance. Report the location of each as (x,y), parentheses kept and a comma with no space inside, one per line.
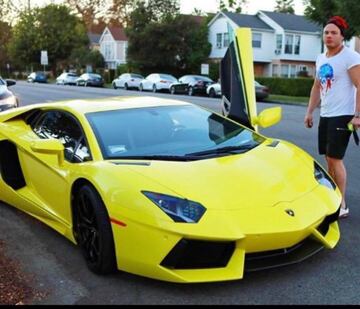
(118,33)
(94,38)
(250,21)
(293,22)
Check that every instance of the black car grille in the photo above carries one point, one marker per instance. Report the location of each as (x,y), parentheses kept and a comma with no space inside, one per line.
(196,254)
(282,257)
(323,228)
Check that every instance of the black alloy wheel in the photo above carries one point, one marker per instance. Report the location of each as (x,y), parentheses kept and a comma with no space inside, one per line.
(92,231)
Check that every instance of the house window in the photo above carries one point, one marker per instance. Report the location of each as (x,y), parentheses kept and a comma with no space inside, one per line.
(284,70)
(275,70)
(256,40)
(293,71)
(289,40)
(108,52)
(279,39)
(219,40)
(297,44)
(226,39)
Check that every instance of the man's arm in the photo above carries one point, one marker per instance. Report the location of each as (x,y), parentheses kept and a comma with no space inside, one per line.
(354,73)
(314,102)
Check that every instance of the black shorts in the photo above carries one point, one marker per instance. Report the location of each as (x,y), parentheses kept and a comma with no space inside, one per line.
(334,136)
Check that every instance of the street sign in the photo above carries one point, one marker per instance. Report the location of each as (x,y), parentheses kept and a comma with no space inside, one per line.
(204,69)
(44,57)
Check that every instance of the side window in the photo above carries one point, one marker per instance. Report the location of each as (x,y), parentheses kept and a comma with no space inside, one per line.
(55,124)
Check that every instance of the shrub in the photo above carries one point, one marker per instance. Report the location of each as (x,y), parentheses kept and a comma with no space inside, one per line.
(296,87)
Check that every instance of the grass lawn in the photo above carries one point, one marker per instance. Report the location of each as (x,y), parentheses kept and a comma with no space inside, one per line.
(274,98)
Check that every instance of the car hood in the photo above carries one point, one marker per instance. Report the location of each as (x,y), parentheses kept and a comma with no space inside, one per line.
(263,177)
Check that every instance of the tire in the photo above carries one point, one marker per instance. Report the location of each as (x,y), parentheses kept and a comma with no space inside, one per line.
(126,87)
(86,84)
(172,90)
(190,91)
(92,231)
(141,88)
(212,93)
(154,88)
(114,86)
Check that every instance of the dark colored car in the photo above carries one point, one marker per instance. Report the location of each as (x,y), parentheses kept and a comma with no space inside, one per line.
(191,84)
(90,79)
(37,77)
(261,91)
(7,98)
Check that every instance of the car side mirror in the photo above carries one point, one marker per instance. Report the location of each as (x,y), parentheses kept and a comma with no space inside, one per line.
(10,82)
(49,146)
(269,117)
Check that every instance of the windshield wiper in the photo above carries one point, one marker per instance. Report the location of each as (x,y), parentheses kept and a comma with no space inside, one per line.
(157,157)
(225,150)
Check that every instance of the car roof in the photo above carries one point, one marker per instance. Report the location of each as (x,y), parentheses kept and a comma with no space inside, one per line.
(95,105)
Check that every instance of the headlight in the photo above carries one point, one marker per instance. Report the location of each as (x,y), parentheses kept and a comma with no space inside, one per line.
(322,177)
(7,102)
(180,210)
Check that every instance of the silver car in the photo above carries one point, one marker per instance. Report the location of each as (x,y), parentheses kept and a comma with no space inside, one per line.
(157,82)
(127,81)
(7,98)
(214,90)
(67,78)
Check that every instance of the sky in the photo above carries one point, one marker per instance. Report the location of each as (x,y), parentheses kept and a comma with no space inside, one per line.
(211,6)
(187,6)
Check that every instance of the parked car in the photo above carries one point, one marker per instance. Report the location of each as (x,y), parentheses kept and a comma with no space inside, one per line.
(37,77)
(157,82)
(90,79)
(261,91)
(67,78)
(127,81)
(191,84)
(213,90)
(7,98)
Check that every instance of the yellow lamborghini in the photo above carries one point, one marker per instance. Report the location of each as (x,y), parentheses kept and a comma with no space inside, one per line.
(166,189)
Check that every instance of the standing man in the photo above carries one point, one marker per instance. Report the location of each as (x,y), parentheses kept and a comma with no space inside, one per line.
(337,87)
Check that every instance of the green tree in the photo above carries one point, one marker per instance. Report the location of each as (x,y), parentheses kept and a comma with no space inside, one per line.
(51,28)
(164,40)
(285,6)
(320,11)
(232,5)
(5,32)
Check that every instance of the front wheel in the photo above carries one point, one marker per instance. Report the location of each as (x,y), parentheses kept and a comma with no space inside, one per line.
(141,88)
(114,86)
(92,231)
(126,87)
(190,91)
(212,93)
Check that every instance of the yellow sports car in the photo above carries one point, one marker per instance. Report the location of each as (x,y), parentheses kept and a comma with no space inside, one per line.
(166,189)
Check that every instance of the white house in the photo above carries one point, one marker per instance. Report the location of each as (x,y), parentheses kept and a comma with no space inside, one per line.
(283,44)
(113,46)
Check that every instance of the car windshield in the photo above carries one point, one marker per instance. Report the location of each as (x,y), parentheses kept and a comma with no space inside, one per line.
(137,76)
(169,132)
(197,78)
(168,77)
(72,75)
(94,75)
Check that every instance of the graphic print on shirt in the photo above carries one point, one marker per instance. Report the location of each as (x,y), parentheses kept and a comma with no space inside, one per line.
(326,77)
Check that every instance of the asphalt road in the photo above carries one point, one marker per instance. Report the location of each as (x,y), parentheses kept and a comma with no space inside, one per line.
(329,277)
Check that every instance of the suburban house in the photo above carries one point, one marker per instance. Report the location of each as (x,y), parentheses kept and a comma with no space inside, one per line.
(113,46)
(284,45)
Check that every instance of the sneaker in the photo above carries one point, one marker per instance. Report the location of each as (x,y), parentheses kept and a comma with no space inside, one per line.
(344,212)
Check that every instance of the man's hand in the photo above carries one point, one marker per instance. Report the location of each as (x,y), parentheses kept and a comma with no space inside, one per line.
(355,122)
(308,121)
